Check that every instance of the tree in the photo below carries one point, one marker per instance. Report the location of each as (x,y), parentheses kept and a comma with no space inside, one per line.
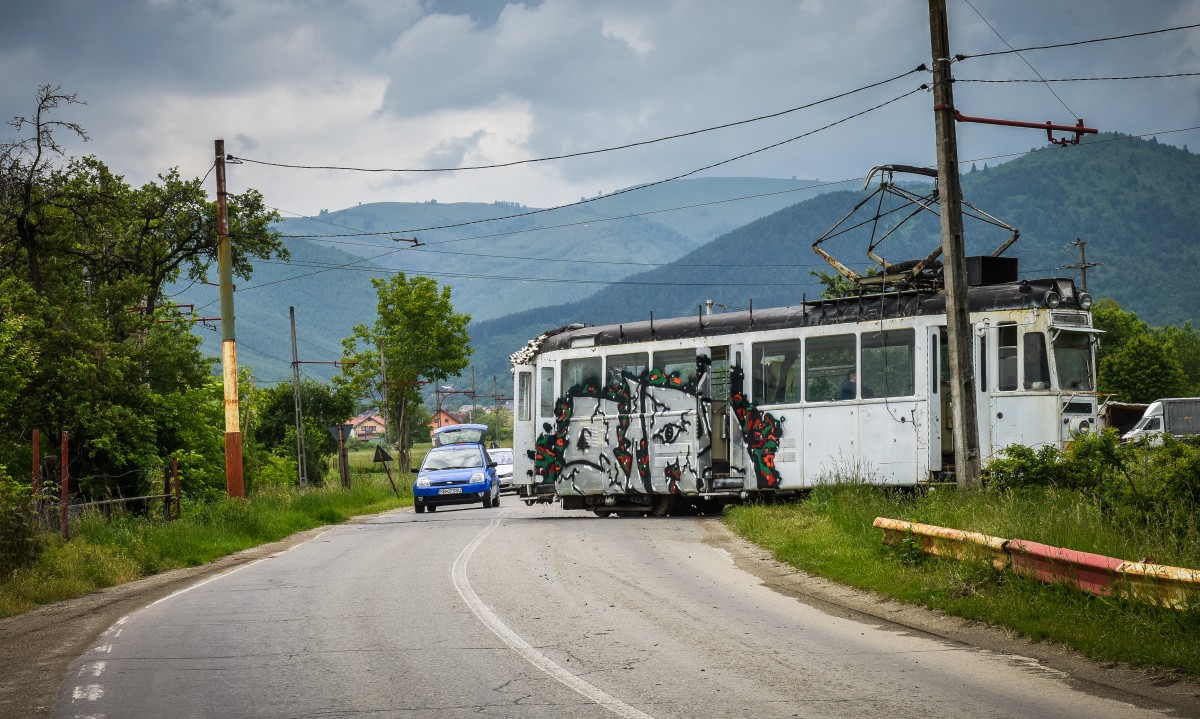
(1143,370)
(99,353)
(423,340)
(322,406)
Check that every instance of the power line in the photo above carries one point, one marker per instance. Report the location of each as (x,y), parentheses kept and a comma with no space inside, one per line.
(1093,79)
(1023,59)
(919,68)
(657,182)
(1077,42)
(351,265)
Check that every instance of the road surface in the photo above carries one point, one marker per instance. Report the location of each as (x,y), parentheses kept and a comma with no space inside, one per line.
(534,612)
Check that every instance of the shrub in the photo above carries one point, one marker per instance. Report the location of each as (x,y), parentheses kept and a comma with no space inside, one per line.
(18,542)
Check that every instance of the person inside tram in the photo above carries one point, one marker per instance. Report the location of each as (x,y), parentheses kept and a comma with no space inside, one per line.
(850,387)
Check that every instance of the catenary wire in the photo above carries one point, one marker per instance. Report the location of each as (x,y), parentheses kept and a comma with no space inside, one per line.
(919,68)
(657,182)
(350,265)
(1023,58)
(1090,79)
(1077,42)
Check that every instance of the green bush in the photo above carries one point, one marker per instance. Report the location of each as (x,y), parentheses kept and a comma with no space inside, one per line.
(18,542)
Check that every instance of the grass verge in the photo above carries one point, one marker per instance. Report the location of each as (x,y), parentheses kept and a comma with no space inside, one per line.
(830,534)
(106,550)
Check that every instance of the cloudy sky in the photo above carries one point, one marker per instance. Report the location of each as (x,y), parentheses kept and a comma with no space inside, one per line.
(419,84)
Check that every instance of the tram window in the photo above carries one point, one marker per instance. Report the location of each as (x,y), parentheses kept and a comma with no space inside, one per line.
(524,396)
(1073,361)
(1037,366)
(546,393)
(681,361)
(576,372)
(629,364)
(827,364)
(1006,357)
(776,372)
(887,363)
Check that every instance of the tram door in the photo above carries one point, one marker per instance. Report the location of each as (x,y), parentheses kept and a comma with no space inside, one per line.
(941,420)
(723,459)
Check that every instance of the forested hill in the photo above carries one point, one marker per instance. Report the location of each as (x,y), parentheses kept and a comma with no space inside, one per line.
(1133,201)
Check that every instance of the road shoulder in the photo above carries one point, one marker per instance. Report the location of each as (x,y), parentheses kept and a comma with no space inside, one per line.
(1152,690)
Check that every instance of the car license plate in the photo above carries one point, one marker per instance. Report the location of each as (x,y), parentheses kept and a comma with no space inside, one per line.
(450,490)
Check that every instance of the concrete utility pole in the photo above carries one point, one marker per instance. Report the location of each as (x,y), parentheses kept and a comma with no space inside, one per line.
(297,397)
(233,435)
(958,319)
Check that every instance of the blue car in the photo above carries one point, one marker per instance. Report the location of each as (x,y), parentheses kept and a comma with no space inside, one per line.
(456,474)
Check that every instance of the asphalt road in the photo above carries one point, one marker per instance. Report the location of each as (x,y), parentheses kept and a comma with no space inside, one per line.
(535,612)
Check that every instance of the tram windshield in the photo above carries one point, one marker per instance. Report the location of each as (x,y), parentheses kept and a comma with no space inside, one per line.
(1073,361)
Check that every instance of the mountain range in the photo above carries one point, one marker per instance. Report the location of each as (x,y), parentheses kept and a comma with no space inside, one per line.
(621,257)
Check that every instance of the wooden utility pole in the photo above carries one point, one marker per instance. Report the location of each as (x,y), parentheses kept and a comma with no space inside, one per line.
(958,318)
(1083,264)
(233,435)
(384,388)
(297,396)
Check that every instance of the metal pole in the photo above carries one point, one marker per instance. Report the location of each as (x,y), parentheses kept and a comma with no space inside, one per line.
(387,423)
(958,319)
(233,435)
(301,465)
(64,495)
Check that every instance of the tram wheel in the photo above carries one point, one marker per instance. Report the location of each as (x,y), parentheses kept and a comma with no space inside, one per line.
(602,512)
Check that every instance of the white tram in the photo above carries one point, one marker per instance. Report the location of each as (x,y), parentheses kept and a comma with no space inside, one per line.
(712,409)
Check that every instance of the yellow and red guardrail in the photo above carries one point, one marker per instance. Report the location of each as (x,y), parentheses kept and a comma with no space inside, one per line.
(1156,584)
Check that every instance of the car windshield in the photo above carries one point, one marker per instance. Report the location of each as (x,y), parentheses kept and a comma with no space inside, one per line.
(501,456)
(455,434)
(453,458)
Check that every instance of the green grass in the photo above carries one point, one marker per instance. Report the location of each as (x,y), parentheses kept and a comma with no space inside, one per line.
(108,550)
(830,534)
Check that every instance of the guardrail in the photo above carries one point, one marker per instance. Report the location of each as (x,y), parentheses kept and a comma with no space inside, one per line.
(1157,584)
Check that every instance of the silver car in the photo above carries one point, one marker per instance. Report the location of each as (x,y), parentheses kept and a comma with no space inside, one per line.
(503,457)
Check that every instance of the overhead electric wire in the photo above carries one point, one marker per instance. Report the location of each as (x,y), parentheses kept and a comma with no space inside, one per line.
(919,68)
(1090,79)
(546,227)
(655,183)
(1023,59)
(1077,42)
(351,265)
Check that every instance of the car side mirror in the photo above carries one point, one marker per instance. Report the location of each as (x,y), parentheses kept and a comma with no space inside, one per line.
(491,464)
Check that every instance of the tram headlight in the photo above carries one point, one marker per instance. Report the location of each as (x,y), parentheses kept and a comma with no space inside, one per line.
(1052,299)
(1085,301)
(1080,425)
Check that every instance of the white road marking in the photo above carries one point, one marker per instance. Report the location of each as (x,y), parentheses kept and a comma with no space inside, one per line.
(93,668)
(91,692)
(524,648)
(103,649)
(226,574)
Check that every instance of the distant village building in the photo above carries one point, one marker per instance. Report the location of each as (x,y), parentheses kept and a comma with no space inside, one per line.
(443,418)
(367,427)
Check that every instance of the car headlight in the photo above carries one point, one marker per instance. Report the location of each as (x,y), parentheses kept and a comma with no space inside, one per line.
(422,481)
(478,477)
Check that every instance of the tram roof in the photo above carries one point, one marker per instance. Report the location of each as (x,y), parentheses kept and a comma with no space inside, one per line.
(1026,294)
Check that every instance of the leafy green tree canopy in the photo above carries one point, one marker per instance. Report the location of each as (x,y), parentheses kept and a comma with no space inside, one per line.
(423,340)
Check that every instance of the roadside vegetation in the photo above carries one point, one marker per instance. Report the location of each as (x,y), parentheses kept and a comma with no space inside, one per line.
(1125,502)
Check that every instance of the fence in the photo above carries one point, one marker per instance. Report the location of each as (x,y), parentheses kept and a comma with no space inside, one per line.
(55,514)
